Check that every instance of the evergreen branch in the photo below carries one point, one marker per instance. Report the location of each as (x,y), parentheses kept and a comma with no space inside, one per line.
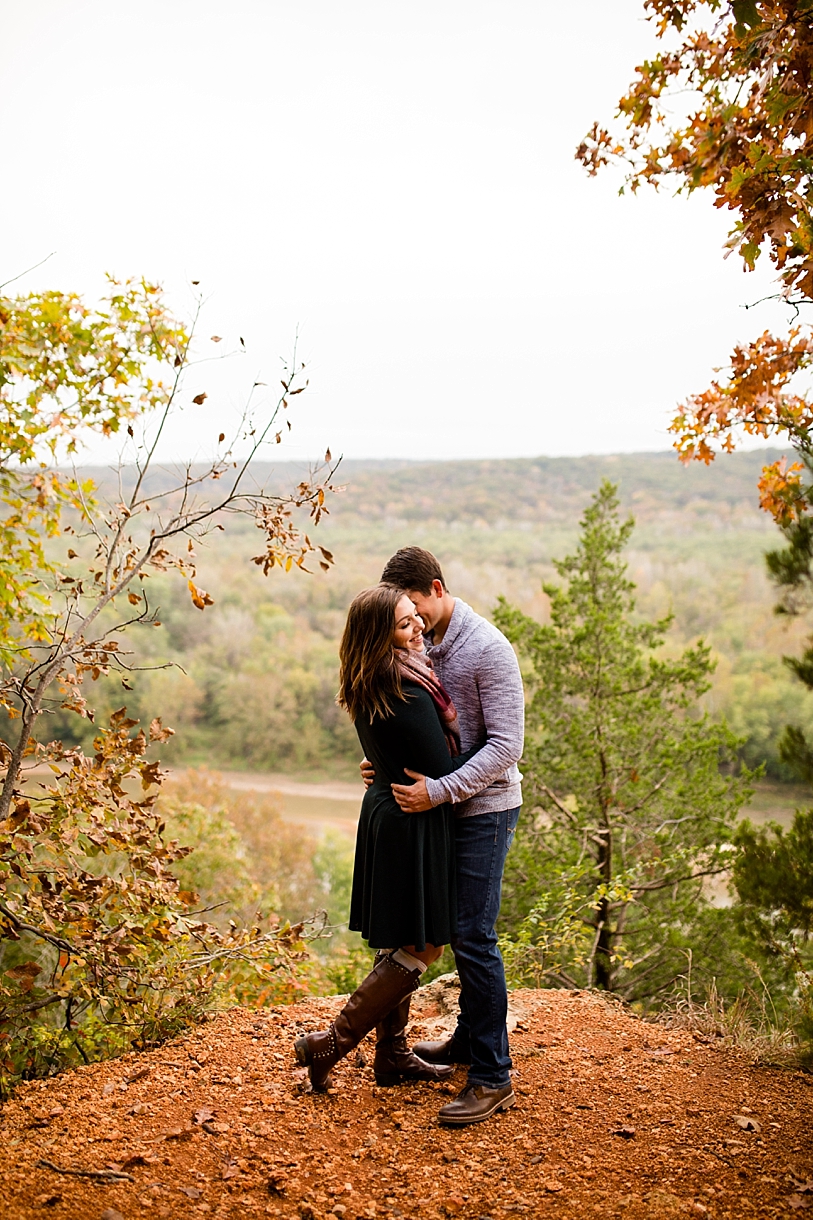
(652,792)
(651,886)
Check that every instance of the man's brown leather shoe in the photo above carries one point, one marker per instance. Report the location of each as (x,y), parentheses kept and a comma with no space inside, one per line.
(447,1050)
(475,1104)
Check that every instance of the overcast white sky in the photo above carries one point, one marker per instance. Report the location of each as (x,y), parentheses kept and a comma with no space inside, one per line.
(398,181)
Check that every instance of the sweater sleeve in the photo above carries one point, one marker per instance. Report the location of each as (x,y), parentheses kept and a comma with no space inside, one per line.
(502,699)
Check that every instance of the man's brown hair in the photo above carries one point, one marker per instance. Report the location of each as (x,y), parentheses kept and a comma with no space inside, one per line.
(369,678)
(413,568)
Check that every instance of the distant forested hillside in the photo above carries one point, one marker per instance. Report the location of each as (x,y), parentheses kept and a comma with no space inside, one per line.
(540,490)
(252,679)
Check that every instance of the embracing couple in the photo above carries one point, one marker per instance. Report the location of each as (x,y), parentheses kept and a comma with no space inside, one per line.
(435,694)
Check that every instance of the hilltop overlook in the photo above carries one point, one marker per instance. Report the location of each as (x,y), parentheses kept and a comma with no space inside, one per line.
(614,1117)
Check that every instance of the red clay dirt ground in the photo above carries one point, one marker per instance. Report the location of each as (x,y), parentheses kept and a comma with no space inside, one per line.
(615,1117)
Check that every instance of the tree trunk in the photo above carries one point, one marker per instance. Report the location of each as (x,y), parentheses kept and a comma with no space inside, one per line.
(602,965)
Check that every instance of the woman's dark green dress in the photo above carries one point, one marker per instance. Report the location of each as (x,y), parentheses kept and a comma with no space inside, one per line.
(404,890)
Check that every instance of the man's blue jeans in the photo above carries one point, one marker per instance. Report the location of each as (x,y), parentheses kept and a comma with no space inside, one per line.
(482,842)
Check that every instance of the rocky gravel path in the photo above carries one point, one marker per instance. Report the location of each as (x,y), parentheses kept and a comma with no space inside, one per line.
(615,1117)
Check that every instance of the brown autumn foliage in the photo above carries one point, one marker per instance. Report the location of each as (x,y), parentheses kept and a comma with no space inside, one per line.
(728,106)
(100,945)
(102,949)
(53,627)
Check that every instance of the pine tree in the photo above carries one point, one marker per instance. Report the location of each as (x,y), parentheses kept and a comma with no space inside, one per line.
(791,569)
(772,881)
(629,815)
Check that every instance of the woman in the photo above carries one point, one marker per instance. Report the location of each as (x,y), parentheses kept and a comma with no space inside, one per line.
(404,875)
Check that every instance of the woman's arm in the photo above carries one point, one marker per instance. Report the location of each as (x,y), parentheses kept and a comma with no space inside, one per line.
(460,760)
(374,764)
(415,739)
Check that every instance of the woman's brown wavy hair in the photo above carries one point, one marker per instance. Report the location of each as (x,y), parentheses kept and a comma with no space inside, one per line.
(369,680)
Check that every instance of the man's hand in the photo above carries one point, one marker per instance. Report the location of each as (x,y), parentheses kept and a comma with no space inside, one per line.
(367,772)
(412,798)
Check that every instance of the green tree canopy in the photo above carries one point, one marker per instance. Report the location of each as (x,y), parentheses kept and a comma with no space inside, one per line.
(630,814)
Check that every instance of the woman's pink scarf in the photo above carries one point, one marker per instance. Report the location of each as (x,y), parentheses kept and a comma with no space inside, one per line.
(415,667)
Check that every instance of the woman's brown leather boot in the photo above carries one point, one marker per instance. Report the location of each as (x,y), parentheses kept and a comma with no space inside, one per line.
(387,984)
(394,1062)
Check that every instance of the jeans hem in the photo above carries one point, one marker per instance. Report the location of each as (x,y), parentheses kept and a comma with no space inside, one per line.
(489,1084)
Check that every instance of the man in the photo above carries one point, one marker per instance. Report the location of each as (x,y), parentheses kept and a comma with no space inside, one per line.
(477,665)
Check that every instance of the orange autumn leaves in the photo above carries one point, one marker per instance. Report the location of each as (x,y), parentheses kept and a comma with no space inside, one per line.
(780,491)
(726,107)
(727,104)
(755,399)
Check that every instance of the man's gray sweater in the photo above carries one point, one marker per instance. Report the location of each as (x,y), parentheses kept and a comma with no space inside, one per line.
(477,665)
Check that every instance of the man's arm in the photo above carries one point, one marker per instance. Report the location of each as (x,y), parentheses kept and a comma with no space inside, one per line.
(503,703)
